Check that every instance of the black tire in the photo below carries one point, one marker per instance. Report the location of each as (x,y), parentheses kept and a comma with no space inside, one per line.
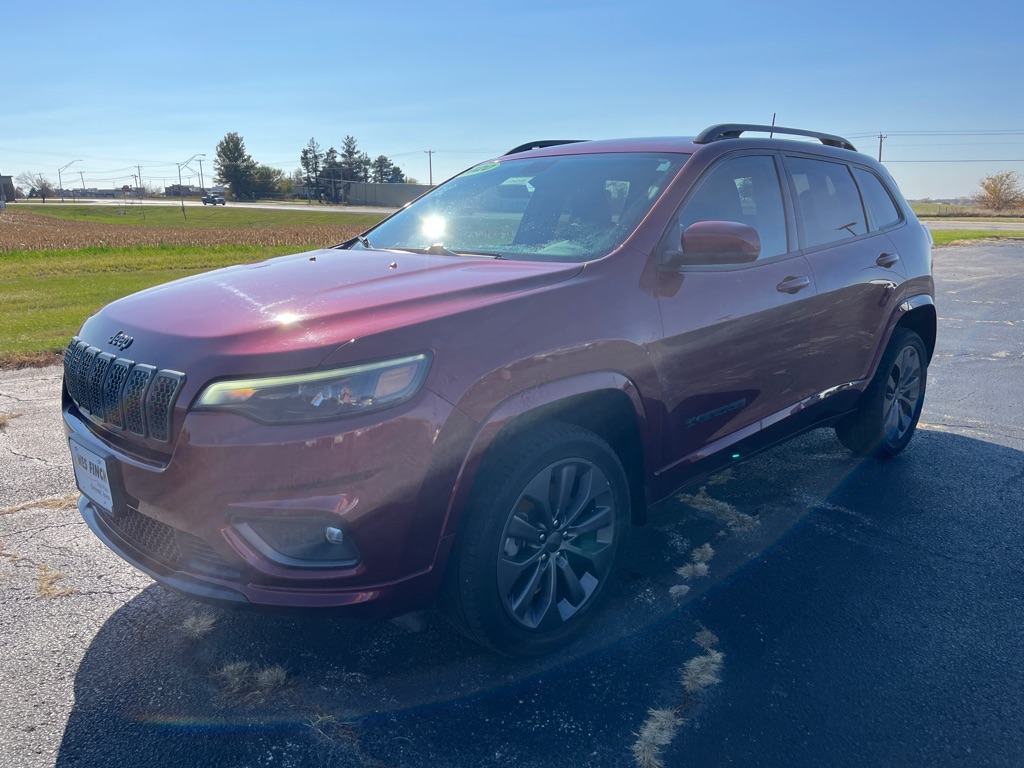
(522,581)
(890,407)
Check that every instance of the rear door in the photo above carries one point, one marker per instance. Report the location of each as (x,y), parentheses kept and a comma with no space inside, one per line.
(856,267)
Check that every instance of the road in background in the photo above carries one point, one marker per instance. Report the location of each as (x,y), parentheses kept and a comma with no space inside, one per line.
(868,613)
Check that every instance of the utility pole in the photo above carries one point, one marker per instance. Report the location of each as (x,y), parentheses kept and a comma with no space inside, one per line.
(430,164)
(881,138)
(82,177)
(140,180)
(60,181)
(201,185)
(181,191)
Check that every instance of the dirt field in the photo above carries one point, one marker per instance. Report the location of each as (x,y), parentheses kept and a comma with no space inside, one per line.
(21,231)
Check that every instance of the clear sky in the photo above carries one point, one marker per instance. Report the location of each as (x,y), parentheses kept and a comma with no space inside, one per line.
(114,85)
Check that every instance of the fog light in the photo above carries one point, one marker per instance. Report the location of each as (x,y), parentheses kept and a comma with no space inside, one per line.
(299,542)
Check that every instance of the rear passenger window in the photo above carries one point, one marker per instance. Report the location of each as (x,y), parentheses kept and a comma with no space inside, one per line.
(882,211)
(829,208)
(746,190)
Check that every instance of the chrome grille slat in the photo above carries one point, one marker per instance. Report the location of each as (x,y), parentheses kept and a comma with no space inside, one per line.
(121,393)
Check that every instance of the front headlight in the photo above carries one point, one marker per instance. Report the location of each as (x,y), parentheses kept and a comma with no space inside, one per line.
(319,395)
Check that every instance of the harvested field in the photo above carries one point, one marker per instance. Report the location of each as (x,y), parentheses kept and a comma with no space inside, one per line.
(21,231)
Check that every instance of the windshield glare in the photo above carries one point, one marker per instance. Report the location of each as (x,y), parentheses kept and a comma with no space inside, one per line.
(568,208)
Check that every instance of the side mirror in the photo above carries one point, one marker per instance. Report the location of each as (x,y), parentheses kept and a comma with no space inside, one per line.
(716,242)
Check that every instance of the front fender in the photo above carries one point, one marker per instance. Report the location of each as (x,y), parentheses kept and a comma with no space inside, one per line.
(540,400)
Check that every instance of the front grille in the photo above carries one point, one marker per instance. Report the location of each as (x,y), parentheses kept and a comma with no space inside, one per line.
(121,393)
(168,545)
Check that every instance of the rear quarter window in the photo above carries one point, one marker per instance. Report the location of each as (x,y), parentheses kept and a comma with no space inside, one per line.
(882,211)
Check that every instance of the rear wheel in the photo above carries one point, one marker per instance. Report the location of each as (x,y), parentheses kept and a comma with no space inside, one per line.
(890,408)
(539,540)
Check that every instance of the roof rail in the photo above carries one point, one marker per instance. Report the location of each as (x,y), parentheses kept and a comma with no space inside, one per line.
(541,144)
(735,130)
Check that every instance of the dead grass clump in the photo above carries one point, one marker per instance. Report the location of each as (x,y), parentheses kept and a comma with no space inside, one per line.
(247,683)
(706,639)
(198,625)
(67,501)
(14,557)
(6,418)
(700,672)
(737,521)
(693,571)
(657,732)
(47,583)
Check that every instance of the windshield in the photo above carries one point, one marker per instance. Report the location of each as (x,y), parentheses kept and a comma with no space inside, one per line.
(569,208)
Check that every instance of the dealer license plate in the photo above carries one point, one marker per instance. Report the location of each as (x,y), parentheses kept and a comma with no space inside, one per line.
(91,476)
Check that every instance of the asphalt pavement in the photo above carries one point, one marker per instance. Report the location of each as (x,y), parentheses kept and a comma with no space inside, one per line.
(854,613)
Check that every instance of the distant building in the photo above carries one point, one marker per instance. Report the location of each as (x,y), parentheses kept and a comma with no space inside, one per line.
(7,185)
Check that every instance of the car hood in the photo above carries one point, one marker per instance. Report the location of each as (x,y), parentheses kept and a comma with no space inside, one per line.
(302,307)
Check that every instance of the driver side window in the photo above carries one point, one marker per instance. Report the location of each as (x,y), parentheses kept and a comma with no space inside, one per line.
(746,190)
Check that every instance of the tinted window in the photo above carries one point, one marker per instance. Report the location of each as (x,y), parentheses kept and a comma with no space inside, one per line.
(829,208)
(743,189)
(882,211)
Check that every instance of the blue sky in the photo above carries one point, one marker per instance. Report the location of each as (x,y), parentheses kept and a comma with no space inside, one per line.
(121,84)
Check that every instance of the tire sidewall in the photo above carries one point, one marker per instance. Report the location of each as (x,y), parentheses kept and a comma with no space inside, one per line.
(888,444)
(506,473)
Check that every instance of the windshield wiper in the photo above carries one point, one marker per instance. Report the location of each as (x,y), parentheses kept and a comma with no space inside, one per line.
(439,249)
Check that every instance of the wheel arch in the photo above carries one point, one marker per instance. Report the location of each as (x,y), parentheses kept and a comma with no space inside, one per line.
(606,403)
(919,315)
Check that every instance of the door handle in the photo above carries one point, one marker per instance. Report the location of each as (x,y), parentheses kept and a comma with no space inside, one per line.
(793,284)
(887,260)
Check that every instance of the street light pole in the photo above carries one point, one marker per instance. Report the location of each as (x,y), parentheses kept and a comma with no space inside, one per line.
(181,192)
(60,182)
(202,185)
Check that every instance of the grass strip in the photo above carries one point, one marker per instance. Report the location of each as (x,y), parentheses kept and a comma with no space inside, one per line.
(45,296)
(142,215)
(953,236)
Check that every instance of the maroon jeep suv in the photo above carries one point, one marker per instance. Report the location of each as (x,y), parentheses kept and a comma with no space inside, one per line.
(476,398)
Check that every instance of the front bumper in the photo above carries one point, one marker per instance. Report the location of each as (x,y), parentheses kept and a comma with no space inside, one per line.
(385,484)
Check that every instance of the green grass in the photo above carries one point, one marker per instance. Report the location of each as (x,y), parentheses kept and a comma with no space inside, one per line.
(143,215)
(948,236)
(45,296)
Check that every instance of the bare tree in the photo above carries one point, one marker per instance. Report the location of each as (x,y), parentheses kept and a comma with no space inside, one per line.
(1000,191)
(38,185)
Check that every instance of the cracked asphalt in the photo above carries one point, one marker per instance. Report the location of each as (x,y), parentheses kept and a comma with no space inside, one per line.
(868,614)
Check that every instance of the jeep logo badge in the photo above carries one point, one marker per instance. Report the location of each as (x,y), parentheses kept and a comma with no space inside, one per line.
(121,340)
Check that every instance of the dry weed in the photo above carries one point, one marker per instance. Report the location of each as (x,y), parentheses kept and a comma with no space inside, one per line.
(47,584)
(657,733)
(198,625)
(706,639)
(702,554)
(693,571)
(727,513)
(250,684)
(702,671)
(67,501)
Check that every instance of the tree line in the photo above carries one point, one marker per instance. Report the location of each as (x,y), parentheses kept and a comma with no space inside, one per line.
(327,174)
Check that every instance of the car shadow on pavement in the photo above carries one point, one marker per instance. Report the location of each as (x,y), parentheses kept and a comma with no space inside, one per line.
(168,681)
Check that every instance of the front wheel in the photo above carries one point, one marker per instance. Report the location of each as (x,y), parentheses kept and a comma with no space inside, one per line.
(890,407)
(539,540)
